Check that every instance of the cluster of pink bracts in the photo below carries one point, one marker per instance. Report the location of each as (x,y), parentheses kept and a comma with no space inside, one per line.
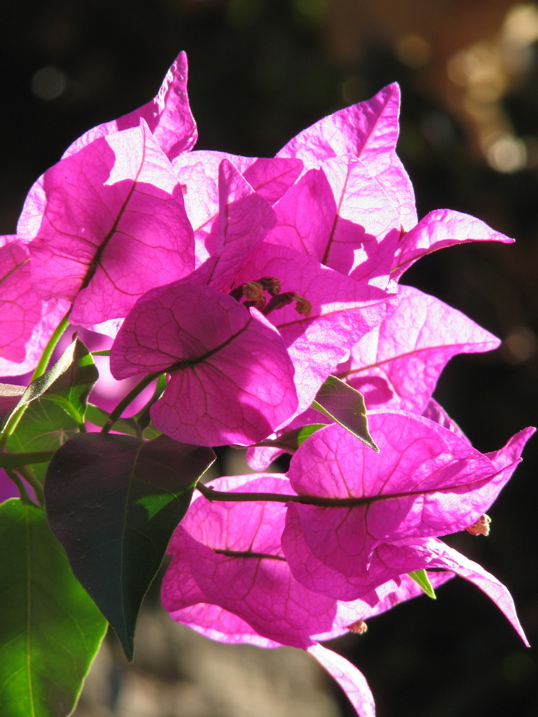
(249,281)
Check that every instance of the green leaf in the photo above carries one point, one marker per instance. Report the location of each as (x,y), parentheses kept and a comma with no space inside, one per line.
(71,388)
(291,440)
(346,406)
(68,382)
(55,405)
(422,579)
(113,502)
(44,427)
(50,629)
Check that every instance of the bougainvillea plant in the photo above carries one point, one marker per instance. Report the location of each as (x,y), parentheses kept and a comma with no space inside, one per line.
(240,301)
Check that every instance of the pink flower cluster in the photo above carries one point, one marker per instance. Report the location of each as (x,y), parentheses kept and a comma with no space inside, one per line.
(249,281)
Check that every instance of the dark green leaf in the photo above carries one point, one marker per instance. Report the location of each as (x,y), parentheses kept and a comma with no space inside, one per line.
(113,502)
(346,406)
(50,629)
(422,579)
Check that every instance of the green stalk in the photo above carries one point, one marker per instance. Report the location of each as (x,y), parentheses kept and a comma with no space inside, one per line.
(20,486)
(32,481)
(49,348)
(115,415)
(14,461)
(211,494)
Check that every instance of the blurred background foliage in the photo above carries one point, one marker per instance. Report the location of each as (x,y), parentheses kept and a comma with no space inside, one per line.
(260,71)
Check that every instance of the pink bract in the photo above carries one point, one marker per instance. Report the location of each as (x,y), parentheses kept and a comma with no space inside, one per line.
(342,217)
(26,321)
(168,116)
(369,131)
(398,362)
(342,312)
(437,230)
(20,305)
(198,173)
(426,481)
(112,226)
(241,224)
(230,376)
(229,581)
(407,351)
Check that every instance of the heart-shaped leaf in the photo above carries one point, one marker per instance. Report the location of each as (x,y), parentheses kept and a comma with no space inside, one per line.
(113,502)
(50,629)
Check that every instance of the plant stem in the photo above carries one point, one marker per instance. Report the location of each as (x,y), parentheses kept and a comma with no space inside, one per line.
(14,461)
(212,494)
(321,501)
(142,418)
(122,405)
(20,485)
(49,348)
(32,481)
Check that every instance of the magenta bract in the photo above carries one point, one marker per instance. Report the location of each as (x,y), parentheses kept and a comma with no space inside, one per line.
(230,376)
(20,305)
(198,173)
(113,226)
(437,230)
(26,321)
(342,311)
(369,131)
(400,360)
(426,481)
(229,581)
(168,116)
(341,216)
(241,224)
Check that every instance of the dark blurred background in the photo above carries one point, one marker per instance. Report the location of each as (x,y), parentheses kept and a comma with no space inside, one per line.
(260,71)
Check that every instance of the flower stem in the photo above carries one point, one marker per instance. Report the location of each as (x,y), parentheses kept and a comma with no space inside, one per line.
(49,348)
(14,461)
(32,481)
(321,501)
(126,400)
(20,485)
